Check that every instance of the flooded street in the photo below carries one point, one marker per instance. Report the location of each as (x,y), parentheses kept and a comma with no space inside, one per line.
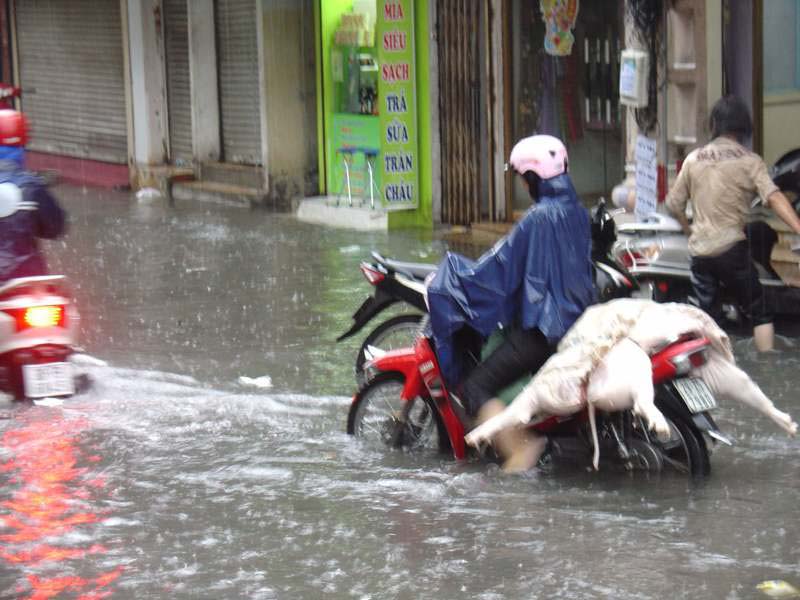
(210,459)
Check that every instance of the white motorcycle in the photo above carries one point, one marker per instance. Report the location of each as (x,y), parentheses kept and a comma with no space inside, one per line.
(38,332)
(655,251)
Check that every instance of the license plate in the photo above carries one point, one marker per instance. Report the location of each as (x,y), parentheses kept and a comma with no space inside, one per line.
(695,394)
(50,379)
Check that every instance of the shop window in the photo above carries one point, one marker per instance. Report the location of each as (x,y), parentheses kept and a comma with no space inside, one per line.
(781,46)
(565,67)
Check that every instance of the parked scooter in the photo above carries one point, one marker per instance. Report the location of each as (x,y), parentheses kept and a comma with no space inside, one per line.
(404,282)
(407,405)
(7,95)
(655,251)
(394,282)
(38,332)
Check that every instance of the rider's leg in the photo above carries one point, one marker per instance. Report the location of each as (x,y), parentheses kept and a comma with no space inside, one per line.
(519,448)
(521,353)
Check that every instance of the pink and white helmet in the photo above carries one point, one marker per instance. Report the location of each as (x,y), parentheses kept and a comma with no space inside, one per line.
(545,155)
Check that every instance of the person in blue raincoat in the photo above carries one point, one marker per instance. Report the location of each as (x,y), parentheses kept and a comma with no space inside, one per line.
(535,282)
(27,210)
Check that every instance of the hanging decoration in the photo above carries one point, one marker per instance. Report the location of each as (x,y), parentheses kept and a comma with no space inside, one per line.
(559,17)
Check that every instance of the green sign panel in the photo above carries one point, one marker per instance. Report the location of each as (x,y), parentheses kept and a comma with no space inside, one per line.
(399,181)
(355,141)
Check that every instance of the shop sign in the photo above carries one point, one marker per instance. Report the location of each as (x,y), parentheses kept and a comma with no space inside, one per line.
(398,104)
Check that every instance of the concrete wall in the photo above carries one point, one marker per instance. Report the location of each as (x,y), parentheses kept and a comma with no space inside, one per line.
(289,70)
(148,89)
(781,125)
(203,75)
(781,119)
(738,52)
(713,50)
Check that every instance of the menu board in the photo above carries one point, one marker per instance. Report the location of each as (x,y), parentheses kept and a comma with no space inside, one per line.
(399,166)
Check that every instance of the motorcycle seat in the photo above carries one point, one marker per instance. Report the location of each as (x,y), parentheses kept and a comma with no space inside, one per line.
(655,223)
(16,285)
(411,269)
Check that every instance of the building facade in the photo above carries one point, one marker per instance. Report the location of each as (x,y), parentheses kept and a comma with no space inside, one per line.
(135,91)
(417,101)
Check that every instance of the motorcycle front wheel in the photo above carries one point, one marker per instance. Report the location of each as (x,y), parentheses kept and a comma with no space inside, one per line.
(376,417)
(397,332)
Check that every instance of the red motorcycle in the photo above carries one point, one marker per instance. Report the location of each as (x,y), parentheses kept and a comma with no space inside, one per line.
(406,405)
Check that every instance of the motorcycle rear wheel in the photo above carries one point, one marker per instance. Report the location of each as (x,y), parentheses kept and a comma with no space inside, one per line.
(374,413)
(397,332)
(685,451)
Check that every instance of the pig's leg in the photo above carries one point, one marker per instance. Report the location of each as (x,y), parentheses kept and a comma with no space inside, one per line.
(516,414)
(623,380)
(726,380)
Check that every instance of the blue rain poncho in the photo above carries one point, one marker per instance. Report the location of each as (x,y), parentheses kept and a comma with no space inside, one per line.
(27,212)
(538,276)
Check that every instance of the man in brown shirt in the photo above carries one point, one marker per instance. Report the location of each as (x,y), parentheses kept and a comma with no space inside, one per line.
(722,178)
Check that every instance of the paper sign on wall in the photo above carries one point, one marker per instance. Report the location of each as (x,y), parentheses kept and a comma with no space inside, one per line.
(646,176)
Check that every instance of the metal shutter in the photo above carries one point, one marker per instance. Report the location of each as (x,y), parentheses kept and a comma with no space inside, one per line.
(459,32)
(71,54)
(237,52)
(179,103)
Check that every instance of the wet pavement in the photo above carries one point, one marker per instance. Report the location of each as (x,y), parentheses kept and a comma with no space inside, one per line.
(210,459)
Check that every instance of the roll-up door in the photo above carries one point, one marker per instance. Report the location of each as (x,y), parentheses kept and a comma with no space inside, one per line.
(70,54)
(179,104)
(237,51)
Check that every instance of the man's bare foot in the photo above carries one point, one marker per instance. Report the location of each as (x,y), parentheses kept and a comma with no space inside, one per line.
(526,454)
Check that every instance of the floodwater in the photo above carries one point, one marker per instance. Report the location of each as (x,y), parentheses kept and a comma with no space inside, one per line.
(210,458)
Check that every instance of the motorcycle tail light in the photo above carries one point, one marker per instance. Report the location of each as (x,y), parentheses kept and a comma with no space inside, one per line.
(631,258)
(44,316)
(639,254)
(39,316)
(373,275)
(684,362)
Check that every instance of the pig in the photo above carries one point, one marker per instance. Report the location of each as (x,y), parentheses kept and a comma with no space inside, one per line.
(603,363)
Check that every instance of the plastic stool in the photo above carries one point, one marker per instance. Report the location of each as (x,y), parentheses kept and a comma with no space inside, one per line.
(370,154)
